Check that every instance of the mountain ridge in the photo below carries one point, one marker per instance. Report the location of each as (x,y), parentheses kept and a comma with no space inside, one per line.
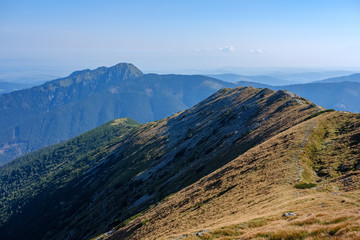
(247,197)
(158,159)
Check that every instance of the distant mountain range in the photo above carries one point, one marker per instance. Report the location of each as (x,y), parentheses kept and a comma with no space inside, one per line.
(281,78)
(64,108)
(341,93)
(268,80)
(342,96)
(307,77)
(6,87)
(350,78)
(244,163)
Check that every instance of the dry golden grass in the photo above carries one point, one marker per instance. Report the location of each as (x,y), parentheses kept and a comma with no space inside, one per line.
(311,227)
(246,198)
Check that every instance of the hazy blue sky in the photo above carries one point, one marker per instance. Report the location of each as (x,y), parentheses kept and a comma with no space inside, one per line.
(179,35)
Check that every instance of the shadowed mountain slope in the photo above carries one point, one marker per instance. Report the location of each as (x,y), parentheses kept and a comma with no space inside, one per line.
(61,109)
(54,166)
(310,170)
(158,159)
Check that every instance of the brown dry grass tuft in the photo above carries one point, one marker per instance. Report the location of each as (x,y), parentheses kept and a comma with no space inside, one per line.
(327,226)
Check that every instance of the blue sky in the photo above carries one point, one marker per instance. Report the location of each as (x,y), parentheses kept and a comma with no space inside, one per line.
(179,36)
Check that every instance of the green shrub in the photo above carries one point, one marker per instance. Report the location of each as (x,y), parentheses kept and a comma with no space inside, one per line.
(318,113)
(305,185)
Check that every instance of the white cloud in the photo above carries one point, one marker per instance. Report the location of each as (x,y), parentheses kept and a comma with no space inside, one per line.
(256,51)
(212,50)
(227,49)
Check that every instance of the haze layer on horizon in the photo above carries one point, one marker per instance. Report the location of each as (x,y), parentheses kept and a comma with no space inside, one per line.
(169,36)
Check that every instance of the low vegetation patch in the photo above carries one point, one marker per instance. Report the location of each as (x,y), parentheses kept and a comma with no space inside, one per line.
(127,221)
(284,235)
(319,226)
(224,90)
(306,222)
(257,222)
(318,113)
(321,232)
(305,185)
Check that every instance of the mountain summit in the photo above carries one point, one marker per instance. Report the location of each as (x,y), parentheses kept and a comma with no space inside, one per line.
(120,71)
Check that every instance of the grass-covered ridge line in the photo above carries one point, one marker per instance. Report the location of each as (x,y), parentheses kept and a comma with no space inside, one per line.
(271,179)
(318,113)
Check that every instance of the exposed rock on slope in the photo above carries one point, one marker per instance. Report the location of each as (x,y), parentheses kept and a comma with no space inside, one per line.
(248,197)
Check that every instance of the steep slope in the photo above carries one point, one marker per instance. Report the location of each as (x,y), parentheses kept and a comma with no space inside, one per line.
(158,159)
(246,198)
(61,109)
(53,166)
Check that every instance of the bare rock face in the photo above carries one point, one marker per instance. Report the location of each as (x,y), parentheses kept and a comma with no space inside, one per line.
(289,214)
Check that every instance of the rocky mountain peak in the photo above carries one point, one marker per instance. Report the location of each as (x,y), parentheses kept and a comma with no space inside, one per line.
(127,70)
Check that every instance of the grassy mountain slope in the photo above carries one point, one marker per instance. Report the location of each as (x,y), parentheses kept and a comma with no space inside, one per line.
(158,159)
(22,179)
(311,169)
(61,109)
